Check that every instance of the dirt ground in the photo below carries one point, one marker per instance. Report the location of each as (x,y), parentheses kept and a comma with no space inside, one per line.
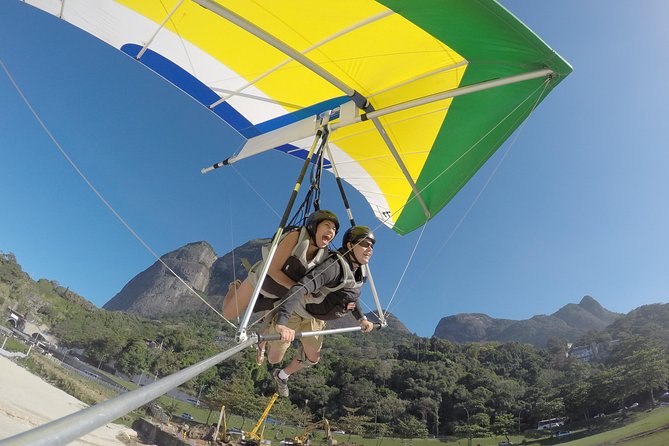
(26,401)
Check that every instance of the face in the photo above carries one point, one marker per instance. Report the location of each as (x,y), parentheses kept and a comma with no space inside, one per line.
(363,250)
(325,233)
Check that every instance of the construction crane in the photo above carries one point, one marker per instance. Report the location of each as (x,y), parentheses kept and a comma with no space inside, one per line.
(254,437)
(238,437)
(303,438)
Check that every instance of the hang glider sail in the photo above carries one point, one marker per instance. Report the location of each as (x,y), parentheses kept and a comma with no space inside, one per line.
(416,95)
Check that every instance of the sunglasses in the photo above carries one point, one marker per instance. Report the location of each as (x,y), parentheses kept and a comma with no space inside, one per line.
(365,244)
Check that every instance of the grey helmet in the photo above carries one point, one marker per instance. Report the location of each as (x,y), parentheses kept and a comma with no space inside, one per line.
(356,233)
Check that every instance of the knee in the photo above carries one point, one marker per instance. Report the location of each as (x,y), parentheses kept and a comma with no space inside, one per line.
(275,356)
(313,357)
(308,357)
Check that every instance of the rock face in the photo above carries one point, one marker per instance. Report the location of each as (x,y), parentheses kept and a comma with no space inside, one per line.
(157,292)
(231,266)
(569,322)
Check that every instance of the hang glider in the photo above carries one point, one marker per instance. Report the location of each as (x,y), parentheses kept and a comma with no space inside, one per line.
(417,95)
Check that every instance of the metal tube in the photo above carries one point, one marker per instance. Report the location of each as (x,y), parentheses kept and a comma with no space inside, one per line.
(241,331)
(64,430)
(297,131)
(372,286)
(402,166)
(447,94)
(146,46)
(305,334)
(273,41)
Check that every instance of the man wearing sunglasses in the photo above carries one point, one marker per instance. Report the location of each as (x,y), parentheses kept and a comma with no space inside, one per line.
(329,291)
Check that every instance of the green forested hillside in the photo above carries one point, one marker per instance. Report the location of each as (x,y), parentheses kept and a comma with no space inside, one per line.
(376,382)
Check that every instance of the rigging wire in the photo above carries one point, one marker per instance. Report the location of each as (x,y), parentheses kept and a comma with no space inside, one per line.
(248,183)
(232,243)
(490,177)
(406,268)
(387,311)
(99,195)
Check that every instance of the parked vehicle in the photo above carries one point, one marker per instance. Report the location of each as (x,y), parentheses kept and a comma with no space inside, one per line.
(550,423)
(505,443)
(560,434)
(186,416)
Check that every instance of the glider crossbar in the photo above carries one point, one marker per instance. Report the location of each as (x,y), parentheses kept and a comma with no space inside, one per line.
(67,429)
(150,41)
(546,72)
(417,78)
(402,166)
(279,45)
(306,127)
(360,24)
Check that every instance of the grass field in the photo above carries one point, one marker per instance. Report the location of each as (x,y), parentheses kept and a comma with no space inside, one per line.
(645,429)
(639,429)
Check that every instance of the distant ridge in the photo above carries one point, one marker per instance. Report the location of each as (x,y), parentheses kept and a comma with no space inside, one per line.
(569,322)
(155,292)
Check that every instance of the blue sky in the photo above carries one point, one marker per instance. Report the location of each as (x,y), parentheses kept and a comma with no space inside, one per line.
(576,207)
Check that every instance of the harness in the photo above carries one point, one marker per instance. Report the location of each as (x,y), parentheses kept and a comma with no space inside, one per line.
(332,302)
(296,265)
(348,280)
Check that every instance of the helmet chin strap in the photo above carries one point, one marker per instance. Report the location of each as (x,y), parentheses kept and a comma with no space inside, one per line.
(352,258)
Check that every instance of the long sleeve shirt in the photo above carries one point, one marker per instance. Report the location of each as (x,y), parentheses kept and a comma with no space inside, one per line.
(328,274)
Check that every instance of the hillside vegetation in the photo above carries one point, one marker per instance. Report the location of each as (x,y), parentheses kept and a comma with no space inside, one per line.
(386,382)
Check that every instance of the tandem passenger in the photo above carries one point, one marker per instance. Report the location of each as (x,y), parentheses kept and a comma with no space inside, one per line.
(329,291)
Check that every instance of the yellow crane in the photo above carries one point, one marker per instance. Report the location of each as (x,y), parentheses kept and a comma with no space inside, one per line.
(238,437)
(254,436)
(303,438)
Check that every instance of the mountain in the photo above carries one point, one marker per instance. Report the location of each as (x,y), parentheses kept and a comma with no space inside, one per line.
(651,321)
(569,322)
(156,292)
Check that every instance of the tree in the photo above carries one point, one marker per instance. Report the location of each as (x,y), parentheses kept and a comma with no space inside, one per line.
(504,423)
(643,363)
(470,431)
(101,350)
(610,385)
(410,427)
(352,423)
(134,358)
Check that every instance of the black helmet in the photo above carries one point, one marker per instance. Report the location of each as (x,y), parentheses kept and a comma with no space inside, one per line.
(356,233)
(317,217)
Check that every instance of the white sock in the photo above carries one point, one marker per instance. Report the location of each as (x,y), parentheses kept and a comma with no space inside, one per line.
(283,375)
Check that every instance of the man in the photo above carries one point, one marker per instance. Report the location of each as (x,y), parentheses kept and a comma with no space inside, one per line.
(334,287)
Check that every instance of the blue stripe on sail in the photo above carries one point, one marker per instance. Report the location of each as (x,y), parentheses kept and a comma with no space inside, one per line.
(206,96)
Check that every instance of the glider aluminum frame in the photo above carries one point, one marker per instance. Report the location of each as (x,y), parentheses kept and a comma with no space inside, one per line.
(241,330)
(71,427)
(63,431)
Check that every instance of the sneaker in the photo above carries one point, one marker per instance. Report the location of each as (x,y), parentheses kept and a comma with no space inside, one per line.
(281,384)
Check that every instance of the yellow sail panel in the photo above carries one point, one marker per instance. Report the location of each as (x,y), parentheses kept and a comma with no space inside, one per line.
(370,58)
(412,133)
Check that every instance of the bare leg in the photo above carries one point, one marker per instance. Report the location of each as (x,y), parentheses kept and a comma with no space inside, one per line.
(295,365)
(275,355)
(237,299)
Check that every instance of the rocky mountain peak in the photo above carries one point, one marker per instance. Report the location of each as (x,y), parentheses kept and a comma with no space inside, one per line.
(157,292)
(569,322)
